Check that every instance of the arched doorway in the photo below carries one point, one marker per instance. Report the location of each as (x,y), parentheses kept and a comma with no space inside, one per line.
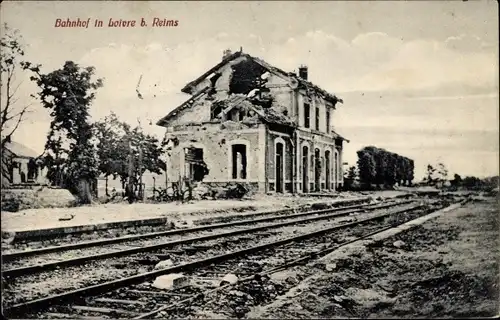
(317,170)
(327,170)
(279,167)
(336,169)
(305,169)
(239,161)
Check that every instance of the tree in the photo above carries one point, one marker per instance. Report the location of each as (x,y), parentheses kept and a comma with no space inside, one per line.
(70,154)
(430,177)
(12,113)
(442,172)
(472,183)
(410,171)
(120,146)
(457,181)
(391,171)
(112,149)
(366,167)
(350,177)
(11,54)
(381,167)
(381,160)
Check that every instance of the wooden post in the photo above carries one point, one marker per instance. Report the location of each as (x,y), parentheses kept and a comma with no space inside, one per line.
(107,193)
(141,191)
(154,188)
(130,189)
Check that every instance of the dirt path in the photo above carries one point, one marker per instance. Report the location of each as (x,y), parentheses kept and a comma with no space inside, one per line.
(448,267)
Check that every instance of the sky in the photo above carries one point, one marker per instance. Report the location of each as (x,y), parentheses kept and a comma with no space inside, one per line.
(418,78)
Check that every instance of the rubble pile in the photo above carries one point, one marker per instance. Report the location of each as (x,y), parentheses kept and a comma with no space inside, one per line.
(239,300)
(229,190)
(14,200)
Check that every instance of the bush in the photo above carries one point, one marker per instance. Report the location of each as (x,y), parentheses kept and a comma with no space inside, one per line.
(10,205)
(236,191)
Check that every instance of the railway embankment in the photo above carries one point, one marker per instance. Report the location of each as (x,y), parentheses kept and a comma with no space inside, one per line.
(444,267)
(53,222)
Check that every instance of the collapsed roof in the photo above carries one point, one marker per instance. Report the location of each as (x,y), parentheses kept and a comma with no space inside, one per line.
(302,83)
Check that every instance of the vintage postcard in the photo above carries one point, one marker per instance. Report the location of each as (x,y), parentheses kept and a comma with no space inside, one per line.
(249,159)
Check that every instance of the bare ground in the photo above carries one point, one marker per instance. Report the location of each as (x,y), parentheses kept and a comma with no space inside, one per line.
(104,213)
(448,267)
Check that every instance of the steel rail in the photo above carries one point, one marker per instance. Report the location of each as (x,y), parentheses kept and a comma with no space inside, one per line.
(78,294)
(305,258)
(86,244)
(10,274)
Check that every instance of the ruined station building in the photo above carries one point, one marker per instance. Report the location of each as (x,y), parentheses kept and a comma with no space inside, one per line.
(250,122)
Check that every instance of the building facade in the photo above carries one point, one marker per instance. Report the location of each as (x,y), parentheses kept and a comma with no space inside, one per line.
(250,122)
(20,166)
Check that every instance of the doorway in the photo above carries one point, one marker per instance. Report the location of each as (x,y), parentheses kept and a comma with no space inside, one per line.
(279,167)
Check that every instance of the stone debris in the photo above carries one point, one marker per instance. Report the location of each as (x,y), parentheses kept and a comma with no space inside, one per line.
(8,237)
(399,244)
(67,217)
(170,281)
(180,224)
(330,266)
(229,279)
(164,264)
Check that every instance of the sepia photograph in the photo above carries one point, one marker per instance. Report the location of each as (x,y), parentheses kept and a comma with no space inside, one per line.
(250,159)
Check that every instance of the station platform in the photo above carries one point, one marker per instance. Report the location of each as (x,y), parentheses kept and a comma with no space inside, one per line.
(32,223)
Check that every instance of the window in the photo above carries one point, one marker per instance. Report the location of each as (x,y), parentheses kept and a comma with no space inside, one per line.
(307,111)
(239,161)
(196,168)
(317,118)
(327,120)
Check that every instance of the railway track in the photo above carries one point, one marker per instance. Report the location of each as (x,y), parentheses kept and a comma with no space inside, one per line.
(9,255)
(25,287)
(137,283)
(83,238)
(28,262)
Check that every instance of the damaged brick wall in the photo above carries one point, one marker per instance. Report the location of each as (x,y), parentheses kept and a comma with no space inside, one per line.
(222,83)
(216,140)
(316,103)
(271,139)
(324,143)
(199,112)
(241,76)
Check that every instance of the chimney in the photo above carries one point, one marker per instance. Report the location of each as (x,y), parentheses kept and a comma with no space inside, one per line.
(303,72)
(226,53)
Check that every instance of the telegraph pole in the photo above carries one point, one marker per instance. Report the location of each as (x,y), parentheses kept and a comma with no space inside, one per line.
(141,191)
(130,189)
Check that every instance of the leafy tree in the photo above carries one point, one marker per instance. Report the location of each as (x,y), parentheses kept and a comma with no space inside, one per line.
(351,173)
(111,150)
(405,167)
(69,151)
(472,183)
(381,167)
(430,177)
(366,167)
(350,177)
(391,171)
(381,160)
(457,181)
(121,148)
(410,171)
(399,169)
(442,172)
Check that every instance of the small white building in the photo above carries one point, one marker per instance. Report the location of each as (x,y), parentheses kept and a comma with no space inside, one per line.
(20,166)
